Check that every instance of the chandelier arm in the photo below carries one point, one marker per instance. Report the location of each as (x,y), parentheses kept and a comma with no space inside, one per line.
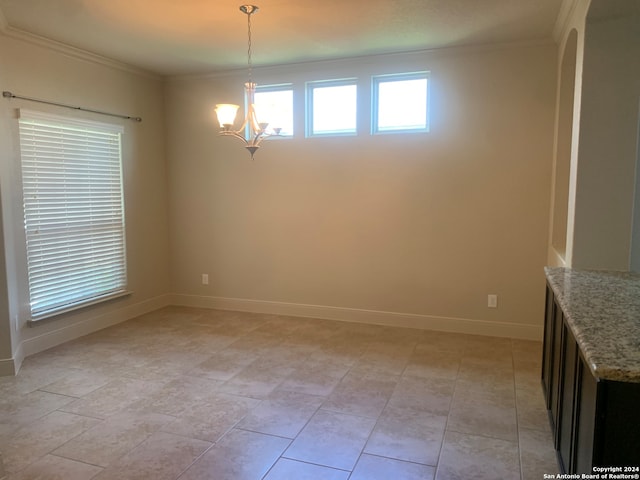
(253,123)
(258,139)
(231,133)
(243,127)
(255,141)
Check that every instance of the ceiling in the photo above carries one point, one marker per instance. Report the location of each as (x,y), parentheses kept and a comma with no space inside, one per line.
(170,37)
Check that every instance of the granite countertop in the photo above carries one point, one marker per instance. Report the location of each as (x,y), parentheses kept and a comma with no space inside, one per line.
(603,311)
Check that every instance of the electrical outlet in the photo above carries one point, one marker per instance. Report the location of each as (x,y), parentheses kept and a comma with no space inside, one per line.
(492,301)
(205,279)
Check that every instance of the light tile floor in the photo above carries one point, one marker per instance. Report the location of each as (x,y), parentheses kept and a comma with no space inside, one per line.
(195,394)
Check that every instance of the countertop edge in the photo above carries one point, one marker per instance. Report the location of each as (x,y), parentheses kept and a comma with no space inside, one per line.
(588,337)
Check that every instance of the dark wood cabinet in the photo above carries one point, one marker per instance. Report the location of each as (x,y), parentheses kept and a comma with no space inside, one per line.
(565,441)
(556,372)
(595,422)
(547,361)
(586,393)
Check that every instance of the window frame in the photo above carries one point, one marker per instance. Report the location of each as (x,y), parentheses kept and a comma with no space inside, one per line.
(316,84)
(45,157)
(376,80)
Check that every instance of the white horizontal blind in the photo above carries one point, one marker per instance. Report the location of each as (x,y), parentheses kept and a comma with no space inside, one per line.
(73,211)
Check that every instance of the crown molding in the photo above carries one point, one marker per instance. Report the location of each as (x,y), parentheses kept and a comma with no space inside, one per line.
(71,51)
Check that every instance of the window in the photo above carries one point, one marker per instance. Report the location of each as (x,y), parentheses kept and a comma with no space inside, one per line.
(331,107)
(274,104)
(73,212)
(400,103)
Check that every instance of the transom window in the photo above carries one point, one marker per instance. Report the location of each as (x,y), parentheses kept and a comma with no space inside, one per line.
(332,107)
(274,104)
(400,103)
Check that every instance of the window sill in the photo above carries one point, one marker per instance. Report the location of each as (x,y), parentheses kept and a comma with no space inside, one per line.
(54,314)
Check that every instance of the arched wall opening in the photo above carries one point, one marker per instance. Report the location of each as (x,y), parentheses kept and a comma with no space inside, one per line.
(563,145)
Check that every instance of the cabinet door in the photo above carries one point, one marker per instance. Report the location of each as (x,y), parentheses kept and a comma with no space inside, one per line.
(567,400)
(547,347)
(554,399)
(617,435)
(585,418)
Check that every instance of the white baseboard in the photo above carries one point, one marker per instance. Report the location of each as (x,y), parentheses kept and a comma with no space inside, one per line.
(39,343)
(11,366)
(7,367)
(49,339)
(396,319)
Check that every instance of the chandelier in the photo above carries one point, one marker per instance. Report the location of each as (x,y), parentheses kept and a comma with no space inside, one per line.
(251,132)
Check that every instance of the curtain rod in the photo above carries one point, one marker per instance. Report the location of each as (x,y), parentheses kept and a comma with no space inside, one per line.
(6,94)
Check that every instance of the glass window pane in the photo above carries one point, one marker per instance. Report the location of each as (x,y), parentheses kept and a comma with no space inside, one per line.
(276,108)
(401,104)
(334,109)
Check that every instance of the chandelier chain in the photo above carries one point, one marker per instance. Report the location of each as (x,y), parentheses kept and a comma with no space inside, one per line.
(249,46)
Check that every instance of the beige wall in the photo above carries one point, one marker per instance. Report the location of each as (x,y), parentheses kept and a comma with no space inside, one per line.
(604,193)
(31,70)
(604,142)
(572,23)
(6,352)
(402,229)
(7,366)
(398,229)
(608,141)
